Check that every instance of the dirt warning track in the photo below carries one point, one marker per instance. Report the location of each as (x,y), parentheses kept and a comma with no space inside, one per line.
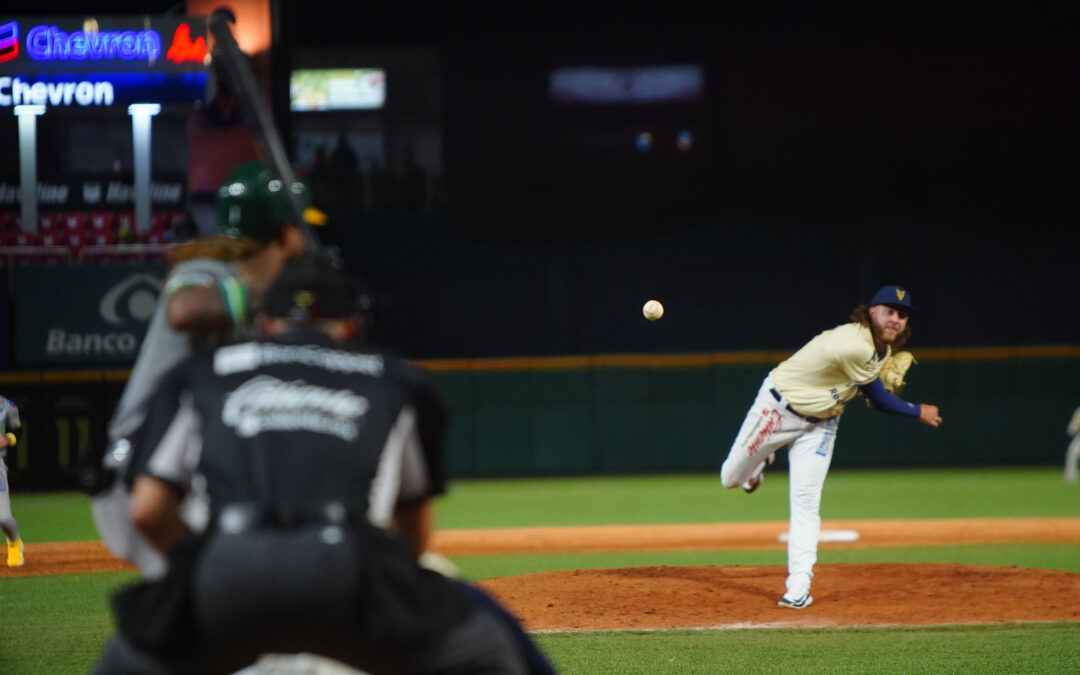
(719,536)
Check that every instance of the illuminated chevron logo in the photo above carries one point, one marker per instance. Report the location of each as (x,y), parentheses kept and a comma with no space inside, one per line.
(9,41)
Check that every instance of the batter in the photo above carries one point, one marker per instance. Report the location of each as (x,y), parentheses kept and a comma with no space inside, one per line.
(204,303)
(799,404)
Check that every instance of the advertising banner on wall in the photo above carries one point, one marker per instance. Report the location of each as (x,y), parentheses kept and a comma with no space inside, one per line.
(76,315)
(168,190)
(108,61)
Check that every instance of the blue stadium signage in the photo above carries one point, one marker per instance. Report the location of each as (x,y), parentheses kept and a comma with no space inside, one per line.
(108,62)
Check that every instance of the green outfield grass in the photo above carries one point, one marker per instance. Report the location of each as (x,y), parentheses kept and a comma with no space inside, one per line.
(34,611)
(53,516)
(945,493)
(1005,649)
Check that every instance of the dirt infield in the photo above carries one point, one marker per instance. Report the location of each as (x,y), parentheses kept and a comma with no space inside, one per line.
(692,597)
(70,557)
(744,597)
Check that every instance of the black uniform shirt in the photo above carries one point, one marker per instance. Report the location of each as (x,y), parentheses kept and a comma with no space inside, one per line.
(297,421)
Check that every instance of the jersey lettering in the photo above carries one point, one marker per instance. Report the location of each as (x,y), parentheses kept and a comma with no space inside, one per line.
(265,403)
(250,355)
(772,424)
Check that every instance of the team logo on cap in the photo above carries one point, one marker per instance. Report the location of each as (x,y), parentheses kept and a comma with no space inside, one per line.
(900,293)
(304,299)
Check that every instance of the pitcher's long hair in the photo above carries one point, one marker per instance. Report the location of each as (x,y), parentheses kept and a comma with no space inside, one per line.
(861,314)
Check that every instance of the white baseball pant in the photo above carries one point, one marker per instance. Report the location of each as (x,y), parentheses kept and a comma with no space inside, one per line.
(770,425)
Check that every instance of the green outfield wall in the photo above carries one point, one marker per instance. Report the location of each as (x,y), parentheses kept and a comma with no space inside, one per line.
(1001,406)
(615,414)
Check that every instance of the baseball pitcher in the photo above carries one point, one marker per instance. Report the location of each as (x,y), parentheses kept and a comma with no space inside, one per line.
(9,424)
(799,405)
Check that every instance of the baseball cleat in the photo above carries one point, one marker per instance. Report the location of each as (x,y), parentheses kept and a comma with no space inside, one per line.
(752,484)
(802,602)
(758,477)
(15,553)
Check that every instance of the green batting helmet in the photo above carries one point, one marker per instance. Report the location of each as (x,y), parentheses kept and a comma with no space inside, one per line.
(253,203)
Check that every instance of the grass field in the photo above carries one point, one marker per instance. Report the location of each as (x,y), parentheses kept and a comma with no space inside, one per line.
(57,624)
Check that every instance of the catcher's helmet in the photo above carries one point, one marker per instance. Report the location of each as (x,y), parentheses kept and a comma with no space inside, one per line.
(314,287)
(253,203)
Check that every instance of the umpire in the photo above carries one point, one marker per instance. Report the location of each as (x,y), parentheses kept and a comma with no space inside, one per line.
(313,448)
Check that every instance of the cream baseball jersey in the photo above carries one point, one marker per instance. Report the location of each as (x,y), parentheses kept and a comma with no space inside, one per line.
(824,375)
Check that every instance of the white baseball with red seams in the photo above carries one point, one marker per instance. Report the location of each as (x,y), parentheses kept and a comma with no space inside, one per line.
(653,310)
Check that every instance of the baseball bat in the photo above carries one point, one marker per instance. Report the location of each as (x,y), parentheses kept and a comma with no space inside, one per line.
(233,66)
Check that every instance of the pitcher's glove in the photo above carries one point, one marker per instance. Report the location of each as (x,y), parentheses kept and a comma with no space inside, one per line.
(894,369)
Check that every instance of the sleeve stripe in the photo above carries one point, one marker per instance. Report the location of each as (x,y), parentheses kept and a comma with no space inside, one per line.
(234,296)
(187,280)
(386,486)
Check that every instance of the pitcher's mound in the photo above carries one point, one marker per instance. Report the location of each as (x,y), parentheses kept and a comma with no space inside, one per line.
(844,595)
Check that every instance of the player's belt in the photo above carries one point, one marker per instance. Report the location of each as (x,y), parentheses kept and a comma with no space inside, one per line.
(241,517)
(791,410)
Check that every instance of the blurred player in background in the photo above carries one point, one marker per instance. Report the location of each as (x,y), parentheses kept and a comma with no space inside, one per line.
(800,403)
(9,424)
(204,303)
(320,455)
(1072,455)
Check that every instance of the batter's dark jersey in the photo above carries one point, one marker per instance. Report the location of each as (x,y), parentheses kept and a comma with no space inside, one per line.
(298,420)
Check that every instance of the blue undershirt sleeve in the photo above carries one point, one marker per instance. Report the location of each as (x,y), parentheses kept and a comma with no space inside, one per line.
(885,401)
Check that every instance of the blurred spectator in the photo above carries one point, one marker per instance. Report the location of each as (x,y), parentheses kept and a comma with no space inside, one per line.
(344,158)
(319,176)
(343,166)
(185,228)
(126,235)
(416,182)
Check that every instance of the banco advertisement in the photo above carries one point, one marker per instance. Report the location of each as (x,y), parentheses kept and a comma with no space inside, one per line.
(84,316)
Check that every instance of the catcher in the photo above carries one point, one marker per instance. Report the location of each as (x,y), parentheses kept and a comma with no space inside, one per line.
(800,403)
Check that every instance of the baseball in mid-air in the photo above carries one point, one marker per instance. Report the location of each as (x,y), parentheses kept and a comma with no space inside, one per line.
(653,310)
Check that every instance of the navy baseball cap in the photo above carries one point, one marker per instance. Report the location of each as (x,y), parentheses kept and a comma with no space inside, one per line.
(893,296)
